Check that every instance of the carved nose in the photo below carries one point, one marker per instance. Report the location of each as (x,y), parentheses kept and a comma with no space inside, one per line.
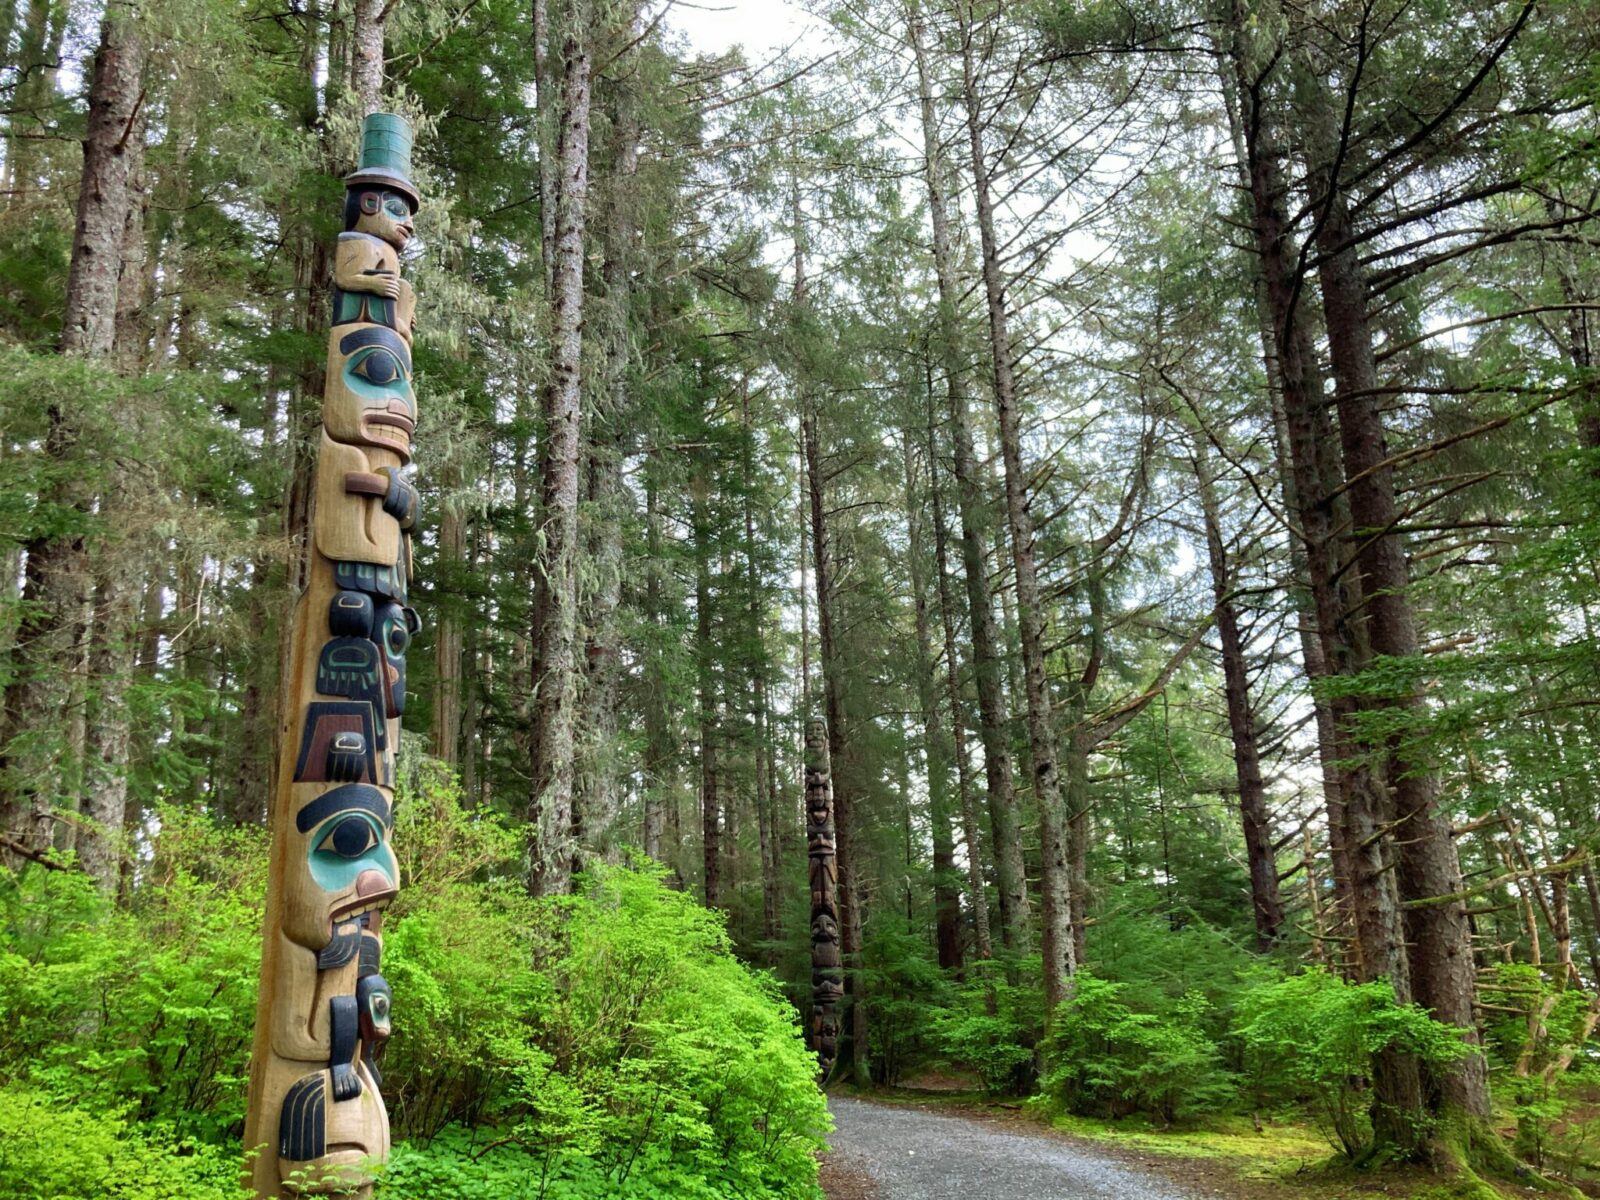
(372,883)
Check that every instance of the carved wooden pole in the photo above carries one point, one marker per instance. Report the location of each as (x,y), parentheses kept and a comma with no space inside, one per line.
(827,977)
(316,1118)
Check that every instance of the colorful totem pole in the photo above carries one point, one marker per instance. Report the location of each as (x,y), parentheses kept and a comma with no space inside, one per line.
(316,1119)
(827,976)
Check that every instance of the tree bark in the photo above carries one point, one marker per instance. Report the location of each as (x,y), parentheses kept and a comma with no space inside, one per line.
(982,936)
(936,750)
(1265,903)
(1443,974)
(555,615)
(1360,821)
(1005,828)
(1060,958)
(42,717)
(705,659)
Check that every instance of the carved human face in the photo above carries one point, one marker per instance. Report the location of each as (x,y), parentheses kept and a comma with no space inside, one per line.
(368,399)
(384,214)
(341,863)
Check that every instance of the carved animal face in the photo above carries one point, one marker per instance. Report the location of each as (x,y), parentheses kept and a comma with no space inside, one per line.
(374,1002)
(368,400)
(824,928)
(396,624)
(383,214)
(341,864)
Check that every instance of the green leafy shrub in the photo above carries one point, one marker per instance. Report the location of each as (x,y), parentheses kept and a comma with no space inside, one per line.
(991,1030)
(1104,1057)
(1314,1037)
(144,1010)
(52,1151)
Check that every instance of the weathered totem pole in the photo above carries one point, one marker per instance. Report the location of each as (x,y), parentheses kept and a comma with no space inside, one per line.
(827,975)
(316,1118)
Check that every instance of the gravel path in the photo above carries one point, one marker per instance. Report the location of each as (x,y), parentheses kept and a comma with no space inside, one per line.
(911,1154)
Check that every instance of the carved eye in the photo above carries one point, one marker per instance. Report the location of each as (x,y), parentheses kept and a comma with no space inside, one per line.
(397,637)
(380,1007)
(378,368)
(396,207)
(350,838)
(371,202)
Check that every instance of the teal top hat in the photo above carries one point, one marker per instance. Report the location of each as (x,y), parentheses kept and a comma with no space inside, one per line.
(386,155)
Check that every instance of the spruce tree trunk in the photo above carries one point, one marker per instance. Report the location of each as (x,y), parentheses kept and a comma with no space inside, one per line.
(119,586)
(555,607)
(1005,827)
(1443,974)
(599,770)
(1397,1111)
(1060,958)
(449,639)
(935,748)
(1265,903)
(978,894)
(705,659)
(366,53)
(766,808)
(658,758)
(42,719)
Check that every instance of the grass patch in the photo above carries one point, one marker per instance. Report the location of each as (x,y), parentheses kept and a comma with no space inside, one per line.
(1275,1144)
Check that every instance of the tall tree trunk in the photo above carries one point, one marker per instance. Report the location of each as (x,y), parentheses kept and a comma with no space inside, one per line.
(1265,902)
(366,53)
(658,758)
(705,660)
(113,657)
(1397,1096)
(766,808)
(1443,974)
(555,615)
(1233,81)
(1005,828)
(42,719)
(984,943)
(449,638)
(599,775)
(1059,952)
(935,749)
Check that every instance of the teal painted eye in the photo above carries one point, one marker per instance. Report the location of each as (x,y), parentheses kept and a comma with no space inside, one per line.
(396,207)
(344,846)
(377,366)
(375,374)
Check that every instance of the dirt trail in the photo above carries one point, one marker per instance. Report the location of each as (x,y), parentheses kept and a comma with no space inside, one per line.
(897,1153)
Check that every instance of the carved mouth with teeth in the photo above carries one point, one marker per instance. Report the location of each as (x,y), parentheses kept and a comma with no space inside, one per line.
(373,893)
(396,416)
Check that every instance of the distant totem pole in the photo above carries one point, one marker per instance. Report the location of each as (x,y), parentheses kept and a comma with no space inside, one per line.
(315,1113)
(827,975)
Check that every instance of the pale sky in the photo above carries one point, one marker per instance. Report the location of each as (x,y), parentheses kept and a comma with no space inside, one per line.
(763,27)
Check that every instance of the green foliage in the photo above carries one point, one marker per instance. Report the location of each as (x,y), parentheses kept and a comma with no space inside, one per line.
(51,1151)
(1103,1056)
(144,1010)
(609,1041)
(991,1028)
(1314,1036)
